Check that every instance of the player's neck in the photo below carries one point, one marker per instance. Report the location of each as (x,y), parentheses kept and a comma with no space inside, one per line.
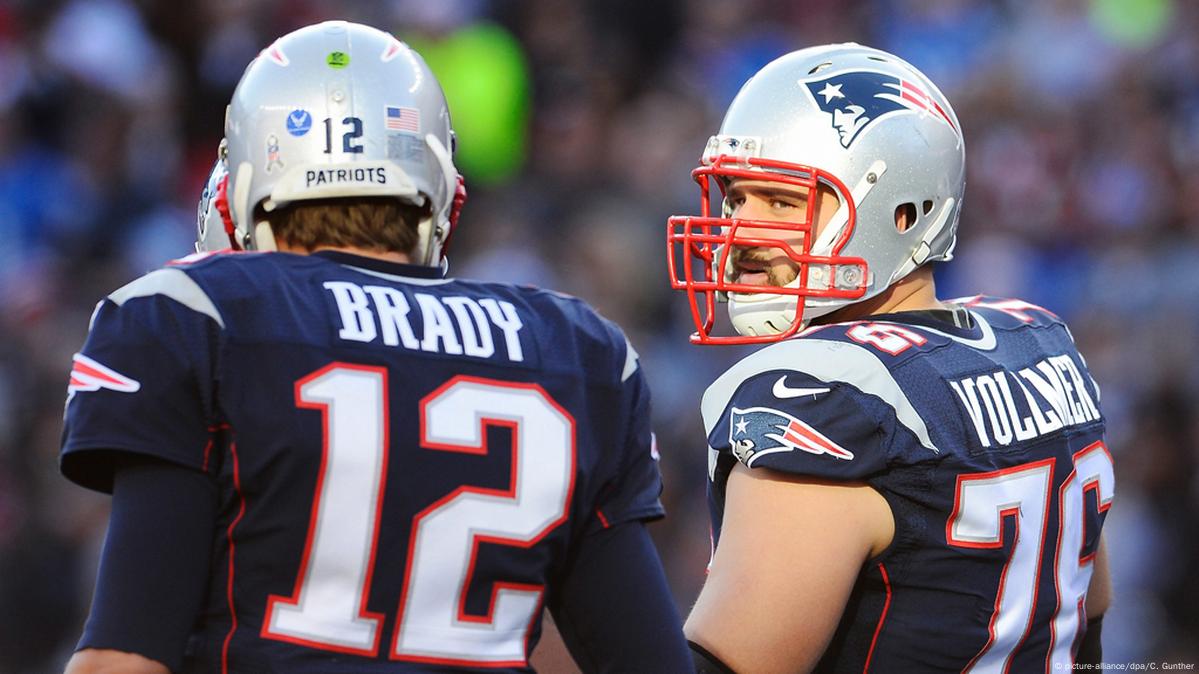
(386,255)
(914,292)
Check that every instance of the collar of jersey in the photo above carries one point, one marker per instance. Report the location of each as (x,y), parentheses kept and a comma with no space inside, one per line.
(375,264)
(937,320)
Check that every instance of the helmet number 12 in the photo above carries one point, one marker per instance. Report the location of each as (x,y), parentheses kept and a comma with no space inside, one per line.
(349,140)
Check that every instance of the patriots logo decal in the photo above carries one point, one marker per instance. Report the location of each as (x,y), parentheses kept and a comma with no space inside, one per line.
(89,375)
(758,431)
(857,99)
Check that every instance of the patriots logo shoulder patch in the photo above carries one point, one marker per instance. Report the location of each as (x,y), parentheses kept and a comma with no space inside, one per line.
(757,431)
(858,98)
(89,375)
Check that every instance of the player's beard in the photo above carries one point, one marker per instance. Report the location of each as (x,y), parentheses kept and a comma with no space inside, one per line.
(779,268)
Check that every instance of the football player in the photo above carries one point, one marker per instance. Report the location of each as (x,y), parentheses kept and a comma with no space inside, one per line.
(326,456)
(898,483)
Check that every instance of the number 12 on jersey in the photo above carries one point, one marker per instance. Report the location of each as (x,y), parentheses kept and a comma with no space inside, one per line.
(327,608)
(985,500)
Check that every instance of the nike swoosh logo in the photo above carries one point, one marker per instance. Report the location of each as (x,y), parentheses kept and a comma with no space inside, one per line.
(781,390)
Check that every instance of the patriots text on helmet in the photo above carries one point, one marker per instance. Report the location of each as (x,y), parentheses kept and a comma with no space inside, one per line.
(371,175)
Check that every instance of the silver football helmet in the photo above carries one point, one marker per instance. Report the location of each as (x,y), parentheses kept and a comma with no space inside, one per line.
(340,109)
(856,120)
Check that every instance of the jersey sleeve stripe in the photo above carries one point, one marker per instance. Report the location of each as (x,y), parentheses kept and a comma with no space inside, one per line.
(827,360)
(630,361)
(172,283)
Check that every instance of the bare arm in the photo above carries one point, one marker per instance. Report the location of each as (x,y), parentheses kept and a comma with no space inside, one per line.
(790,551)
(1099,594)
(551,654)
(106,661)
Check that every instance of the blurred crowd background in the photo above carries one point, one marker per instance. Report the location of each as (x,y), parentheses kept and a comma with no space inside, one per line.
(579,121)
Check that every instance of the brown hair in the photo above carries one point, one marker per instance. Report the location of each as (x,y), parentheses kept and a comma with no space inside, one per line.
(381,224)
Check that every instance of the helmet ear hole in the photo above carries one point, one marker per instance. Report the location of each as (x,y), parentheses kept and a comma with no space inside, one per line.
(905,216)
(927,206)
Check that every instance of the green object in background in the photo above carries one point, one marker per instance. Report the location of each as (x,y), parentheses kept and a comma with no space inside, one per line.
(484,73)
(1132,23)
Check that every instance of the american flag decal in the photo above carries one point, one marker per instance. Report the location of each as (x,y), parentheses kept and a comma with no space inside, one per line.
(89,375)
(399,118)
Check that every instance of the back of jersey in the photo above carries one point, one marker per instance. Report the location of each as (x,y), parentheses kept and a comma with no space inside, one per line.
(987,443)
(406,462)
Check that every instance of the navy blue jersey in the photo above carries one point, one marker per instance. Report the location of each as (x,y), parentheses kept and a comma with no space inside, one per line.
(987,443)
(405,462)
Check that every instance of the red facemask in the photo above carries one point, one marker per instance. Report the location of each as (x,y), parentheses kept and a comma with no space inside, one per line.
(698,248)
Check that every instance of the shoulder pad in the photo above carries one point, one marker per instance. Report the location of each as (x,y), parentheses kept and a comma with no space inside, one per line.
(822,360)
(173,283)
